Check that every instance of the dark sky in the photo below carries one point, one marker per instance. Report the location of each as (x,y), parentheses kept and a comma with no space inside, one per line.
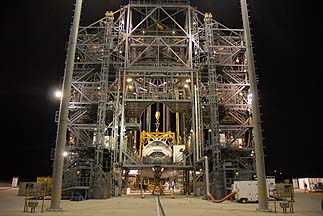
(288,44)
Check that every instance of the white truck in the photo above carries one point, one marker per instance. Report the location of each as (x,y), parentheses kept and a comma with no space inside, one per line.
(247,191)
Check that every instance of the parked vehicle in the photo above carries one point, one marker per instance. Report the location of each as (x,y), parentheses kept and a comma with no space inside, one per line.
(247,191)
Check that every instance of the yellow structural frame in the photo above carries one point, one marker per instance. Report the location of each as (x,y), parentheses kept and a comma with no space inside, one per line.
(146,137)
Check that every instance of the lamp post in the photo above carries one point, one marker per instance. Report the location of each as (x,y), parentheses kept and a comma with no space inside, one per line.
(259,149)
(63,112)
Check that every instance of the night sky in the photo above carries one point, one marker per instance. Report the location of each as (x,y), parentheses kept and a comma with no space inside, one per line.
(288,45)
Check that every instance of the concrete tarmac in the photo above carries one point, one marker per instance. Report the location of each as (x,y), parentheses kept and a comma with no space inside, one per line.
(306,204)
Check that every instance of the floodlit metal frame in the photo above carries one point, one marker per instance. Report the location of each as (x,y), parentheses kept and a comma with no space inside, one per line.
(170,53)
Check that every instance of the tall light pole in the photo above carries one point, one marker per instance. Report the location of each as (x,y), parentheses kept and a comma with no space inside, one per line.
(259,149)
(63,112)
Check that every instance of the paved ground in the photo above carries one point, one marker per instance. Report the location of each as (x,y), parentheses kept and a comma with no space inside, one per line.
(306,204)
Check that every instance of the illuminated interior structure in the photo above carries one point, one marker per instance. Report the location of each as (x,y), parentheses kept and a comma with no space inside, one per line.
(159,85)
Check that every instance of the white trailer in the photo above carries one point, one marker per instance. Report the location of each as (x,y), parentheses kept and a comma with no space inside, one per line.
(313,184)
(247,191)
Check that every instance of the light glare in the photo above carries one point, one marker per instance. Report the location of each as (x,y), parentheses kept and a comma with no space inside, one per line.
(58,94)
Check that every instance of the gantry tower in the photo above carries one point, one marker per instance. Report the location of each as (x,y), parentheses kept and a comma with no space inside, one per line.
(165,56)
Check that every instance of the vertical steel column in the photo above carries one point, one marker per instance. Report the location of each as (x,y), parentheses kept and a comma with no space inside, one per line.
(177,128)
(193,100)
(193,139)
(122,122)
(122,132)
(184,132)
(103,91)
(148,118)
(217,180)
(207,182)
(169,119)
(63,114)
(259,151)
(177,120)
(197,143)
(164,117)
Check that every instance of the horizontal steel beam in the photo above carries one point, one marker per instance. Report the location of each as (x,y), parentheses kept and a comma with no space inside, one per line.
(170,166)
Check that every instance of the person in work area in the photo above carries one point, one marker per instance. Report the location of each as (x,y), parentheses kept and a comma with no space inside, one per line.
(157,181)
(305,187)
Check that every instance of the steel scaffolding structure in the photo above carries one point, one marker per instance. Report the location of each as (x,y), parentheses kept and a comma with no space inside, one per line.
(159,55)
